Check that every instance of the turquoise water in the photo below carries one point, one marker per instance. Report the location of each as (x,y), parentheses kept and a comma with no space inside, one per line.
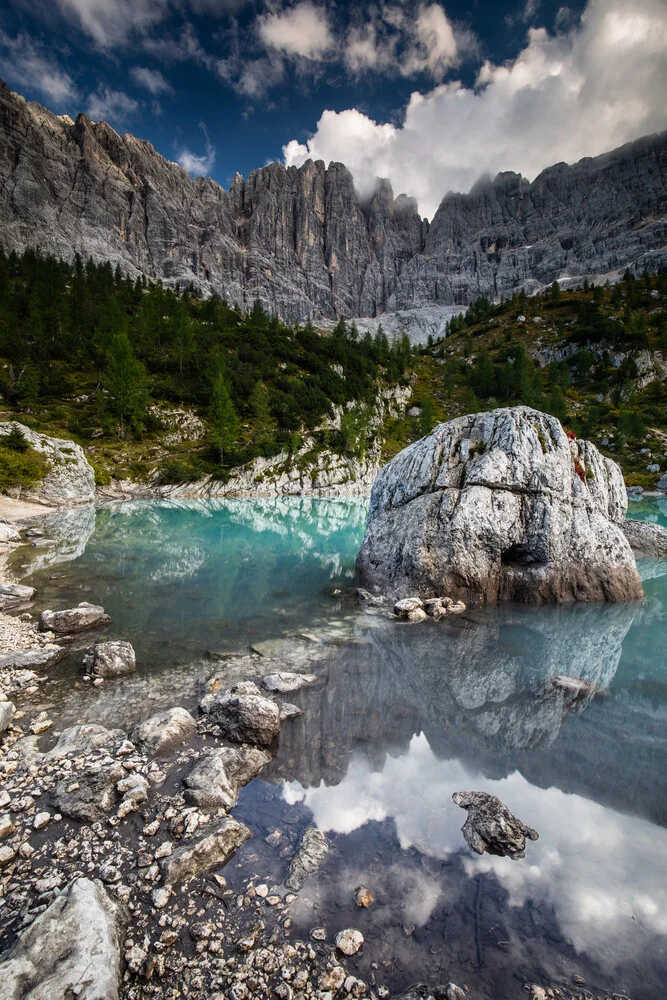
(407,716)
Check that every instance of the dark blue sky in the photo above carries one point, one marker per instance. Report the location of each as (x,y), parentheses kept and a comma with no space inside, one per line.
(223,85)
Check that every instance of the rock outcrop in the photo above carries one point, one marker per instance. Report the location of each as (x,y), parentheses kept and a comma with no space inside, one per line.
(301,241)
(70,478)
(500,505)
(646,538)
(71,949)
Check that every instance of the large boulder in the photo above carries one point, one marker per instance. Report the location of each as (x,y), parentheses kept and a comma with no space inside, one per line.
(13,595)
(72,949)
(78,619)
(244,715)
(164,731)
(210,851)
(646,538)
(500,505)
(214,782)
(70,479)
(110,659)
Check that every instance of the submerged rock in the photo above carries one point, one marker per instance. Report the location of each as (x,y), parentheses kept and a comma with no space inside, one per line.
(83,739)
(110,659)
(349,941)
(244,715)
(14,594)
(313,849)
(450,991)
(71,950)
(163,731)
(33,659)
(212,850)
(500,505)
(214,782)
(78,619)
(491,827)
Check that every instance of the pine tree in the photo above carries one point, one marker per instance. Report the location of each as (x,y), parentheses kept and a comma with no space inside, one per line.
(222,417)
(263,422)
(27,386)
(427,416)
(126,385)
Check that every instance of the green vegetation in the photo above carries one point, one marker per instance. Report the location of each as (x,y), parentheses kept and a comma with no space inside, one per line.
(592,357)
(20,465)
(88,353)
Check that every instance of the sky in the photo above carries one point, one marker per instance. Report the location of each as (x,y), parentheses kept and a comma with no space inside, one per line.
(430,95)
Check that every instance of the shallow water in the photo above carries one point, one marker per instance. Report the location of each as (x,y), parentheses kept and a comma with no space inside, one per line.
(408,715)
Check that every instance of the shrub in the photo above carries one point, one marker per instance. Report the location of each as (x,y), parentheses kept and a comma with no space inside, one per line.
(21,468)
(172,473)
(15,440)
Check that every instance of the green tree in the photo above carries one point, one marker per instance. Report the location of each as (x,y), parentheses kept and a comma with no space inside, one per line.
(263,423)
(222,418)
(125,382)
(28,386)
(15,440)
(555,291)
(427,416)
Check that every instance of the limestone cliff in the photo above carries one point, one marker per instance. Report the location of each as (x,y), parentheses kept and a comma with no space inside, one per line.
(301,241)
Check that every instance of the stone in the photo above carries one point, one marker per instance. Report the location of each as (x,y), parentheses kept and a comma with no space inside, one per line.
(210,851)
(160,897)
(490,827)
(33,659)
(332,979)
(349,941)
(7,855)
(41,820)
(13,595)
(110,659)
(285,682)
(289,711)
(6,825)
(363,897)
(208,785)
(501,505)
(301,241)
(78,619)
(72,949)
(406,605)
(244,715)
(7,709)
(7,533)
(164,731)
(311,854)
(88,795)
(646,538)
(418,615)
(84,739)
(70,478)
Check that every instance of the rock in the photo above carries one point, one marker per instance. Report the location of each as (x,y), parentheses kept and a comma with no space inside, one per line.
(33,659)
(662,482)
(110,659)
(7,855)
(70,479)
(243,715)
(332,979)
(210,851)
(83,739)
(77,619)
(163,731)
(420,992)
(500,505)
(41,820)
(72,949)
(363,897)
(406,605)
(289,711)
(160,897)
(6,825)
(418,615)
(88,795)
(284,682)
(573,688)
(7,533)
(7,709)
(12,595)
(299,239)
(208,785)
(646,538)
(312,852)
(491,827)
(349,941)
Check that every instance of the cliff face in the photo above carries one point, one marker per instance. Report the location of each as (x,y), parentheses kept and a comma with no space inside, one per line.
(300,240)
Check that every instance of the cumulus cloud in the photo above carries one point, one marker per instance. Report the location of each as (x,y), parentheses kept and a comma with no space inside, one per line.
(198,165)
(573,93)
(151,80)
(301,31)
(25,64)
(111,105)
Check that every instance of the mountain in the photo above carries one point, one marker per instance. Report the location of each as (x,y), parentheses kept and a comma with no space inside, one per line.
(301,241)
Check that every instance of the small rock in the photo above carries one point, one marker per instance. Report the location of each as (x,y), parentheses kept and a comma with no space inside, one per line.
(491,827)
(160,897)
(332,979)
(163,731)
(110,659)
(7,854)
(349,941)
(78,619)
(313,849)
(418,615)
(363,896)
(41,820)
(406,605)
(284,682)
(318,934)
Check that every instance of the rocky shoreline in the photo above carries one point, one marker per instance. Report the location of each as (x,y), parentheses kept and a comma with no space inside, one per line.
(113,843)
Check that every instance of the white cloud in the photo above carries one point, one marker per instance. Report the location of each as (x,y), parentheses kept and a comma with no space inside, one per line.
(566,95)
(24,63)
(111,105)
(300,31)
(111,22)
(196,164)
(151,80)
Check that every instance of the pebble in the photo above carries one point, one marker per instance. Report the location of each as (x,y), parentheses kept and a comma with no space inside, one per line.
(41,820)
(7,854)
(332,979)
(160,897)
(349,941)
(363,896)
(262,890)
(6,826)
(318,934)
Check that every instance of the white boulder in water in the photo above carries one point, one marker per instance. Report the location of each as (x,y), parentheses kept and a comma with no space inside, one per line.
(500,505)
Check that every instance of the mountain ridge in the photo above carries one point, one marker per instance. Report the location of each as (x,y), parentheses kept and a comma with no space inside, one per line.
(301,240)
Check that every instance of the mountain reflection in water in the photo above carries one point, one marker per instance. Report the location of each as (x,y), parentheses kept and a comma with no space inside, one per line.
(408,715)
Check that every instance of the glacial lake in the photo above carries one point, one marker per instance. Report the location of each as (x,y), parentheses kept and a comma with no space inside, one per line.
(404,716)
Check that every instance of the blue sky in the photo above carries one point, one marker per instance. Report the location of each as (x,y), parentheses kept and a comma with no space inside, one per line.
(431,95)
